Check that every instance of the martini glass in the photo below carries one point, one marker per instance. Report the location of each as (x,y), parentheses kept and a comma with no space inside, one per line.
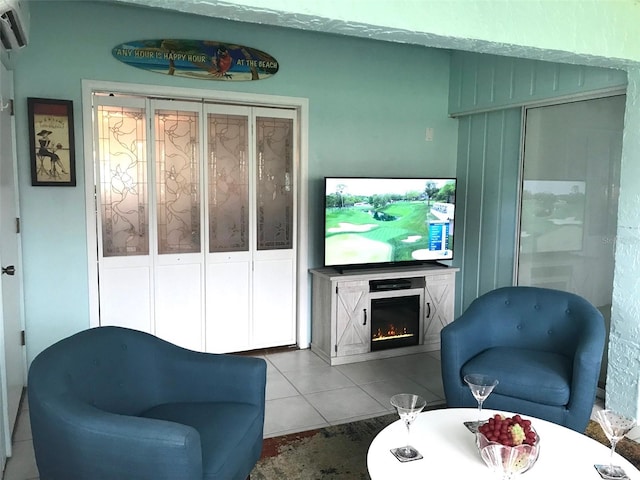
(481,387)
(615,426)
(408,406)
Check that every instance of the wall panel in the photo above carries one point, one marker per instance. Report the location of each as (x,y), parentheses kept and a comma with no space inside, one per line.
(488,166)
(482,82)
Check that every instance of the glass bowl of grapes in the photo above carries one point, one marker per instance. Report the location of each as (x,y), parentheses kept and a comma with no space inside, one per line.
(508,445)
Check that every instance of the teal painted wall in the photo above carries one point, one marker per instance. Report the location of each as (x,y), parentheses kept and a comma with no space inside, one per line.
(489,144)
(370,103)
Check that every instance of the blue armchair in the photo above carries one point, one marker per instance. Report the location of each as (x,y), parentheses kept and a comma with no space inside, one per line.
(111,403)
(544,346)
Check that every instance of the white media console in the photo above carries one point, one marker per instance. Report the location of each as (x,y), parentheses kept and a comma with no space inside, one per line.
(346,305)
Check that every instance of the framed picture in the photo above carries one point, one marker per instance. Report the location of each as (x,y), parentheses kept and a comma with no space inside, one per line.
(52,142)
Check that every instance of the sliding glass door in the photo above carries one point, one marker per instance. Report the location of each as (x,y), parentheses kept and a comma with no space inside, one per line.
(569,198)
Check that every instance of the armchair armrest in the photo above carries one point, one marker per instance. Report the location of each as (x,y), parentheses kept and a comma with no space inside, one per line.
(461,340)
(586,370)
(77,440)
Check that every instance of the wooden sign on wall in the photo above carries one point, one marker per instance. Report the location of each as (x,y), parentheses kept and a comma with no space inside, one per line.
(201,59)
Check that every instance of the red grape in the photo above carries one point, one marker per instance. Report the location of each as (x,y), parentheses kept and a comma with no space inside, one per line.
(508,431)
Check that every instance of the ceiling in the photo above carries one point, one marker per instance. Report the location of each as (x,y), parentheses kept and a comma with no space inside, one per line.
(301,16)
(402,21)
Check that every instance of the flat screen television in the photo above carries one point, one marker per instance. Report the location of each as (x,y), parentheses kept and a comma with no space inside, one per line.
(388,221)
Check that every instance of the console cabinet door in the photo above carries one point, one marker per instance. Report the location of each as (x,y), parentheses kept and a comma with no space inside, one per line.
(352,318)
(439,305)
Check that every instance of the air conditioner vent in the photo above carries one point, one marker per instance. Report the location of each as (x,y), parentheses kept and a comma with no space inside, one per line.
(14,24)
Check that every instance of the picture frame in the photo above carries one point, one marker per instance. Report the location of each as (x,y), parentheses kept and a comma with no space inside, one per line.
(52,142)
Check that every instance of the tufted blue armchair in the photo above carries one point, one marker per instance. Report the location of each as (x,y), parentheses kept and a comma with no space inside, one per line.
(544,346)
(111,403)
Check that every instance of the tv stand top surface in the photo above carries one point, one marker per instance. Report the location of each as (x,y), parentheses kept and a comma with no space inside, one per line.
(382,272)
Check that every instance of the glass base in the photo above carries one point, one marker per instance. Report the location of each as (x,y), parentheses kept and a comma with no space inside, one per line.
(611,472)
(406,454)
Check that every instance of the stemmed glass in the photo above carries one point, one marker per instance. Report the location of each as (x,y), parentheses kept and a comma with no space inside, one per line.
(408,406)
(615,426)
(481,387)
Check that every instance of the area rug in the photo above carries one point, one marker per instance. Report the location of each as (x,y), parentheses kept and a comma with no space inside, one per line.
(340,452)
(336,452)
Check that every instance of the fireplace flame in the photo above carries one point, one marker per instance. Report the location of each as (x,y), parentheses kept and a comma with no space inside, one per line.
(391,332)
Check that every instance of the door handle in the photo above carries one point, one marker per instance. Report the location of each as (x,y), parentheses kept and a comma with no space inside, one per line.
(365,316)
(10,270)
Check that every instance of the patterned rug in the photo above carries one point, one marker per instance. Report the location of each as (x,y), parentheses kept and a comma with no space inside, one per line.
(340,452)
(337,452)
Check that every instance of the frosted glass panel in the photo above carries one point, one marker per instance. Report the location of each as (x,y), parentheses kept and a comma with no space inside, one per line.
(228,183)
(123,180)
(178,181)
(570,197)
(274,148)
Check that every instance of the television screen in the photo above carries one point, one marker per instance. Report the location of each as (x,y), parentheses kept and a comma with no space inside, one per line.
(388,220)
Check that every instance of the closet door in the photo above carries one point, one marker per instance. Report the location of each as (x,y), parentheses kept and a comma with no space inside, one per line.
(251,210)
(122,204)
(178,250)
(274,259)
(197,244)
(151,261)
(229,218)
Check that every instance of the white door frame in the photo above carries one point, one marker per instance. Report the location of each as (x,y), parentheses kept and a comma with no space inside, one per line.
(299,103)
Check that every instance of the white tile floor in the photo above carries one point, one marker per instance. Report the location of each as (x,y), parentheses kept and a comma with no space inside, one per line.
(303,393)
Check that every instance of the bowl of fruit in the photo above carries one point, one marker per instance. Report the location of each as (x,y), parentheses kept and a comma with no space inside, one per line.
(508,445)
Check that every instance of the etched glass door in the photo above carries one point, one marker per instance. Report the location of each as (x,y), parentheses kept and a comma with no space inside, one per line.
(274,257)
(150,247)
(122,197)
(179,263)
(229,220)
(196,209)
(251,261)
(274,188)
(123,178)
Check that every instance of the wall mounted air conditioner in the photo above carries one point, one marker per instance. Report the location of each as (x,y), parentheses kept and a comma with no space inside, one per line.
(14,23)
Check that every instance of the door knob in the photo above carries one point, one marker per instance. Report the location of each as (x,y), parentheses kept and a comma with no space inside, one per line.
(10,270)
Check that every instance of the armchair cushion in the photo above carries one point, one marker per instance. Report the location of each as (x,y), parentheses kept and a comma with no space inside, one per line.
(519,372)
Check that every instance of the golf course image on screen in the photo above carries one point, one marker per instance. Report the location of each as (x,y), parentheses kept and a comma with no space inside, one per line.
(388,220)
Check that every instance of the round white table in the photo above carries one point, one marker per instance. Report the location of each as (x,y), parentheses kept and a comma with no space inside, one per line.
(449,450)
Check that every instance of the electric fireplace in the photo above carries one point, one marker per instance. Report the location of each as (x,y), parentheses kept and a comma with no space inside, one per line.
(395,322)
